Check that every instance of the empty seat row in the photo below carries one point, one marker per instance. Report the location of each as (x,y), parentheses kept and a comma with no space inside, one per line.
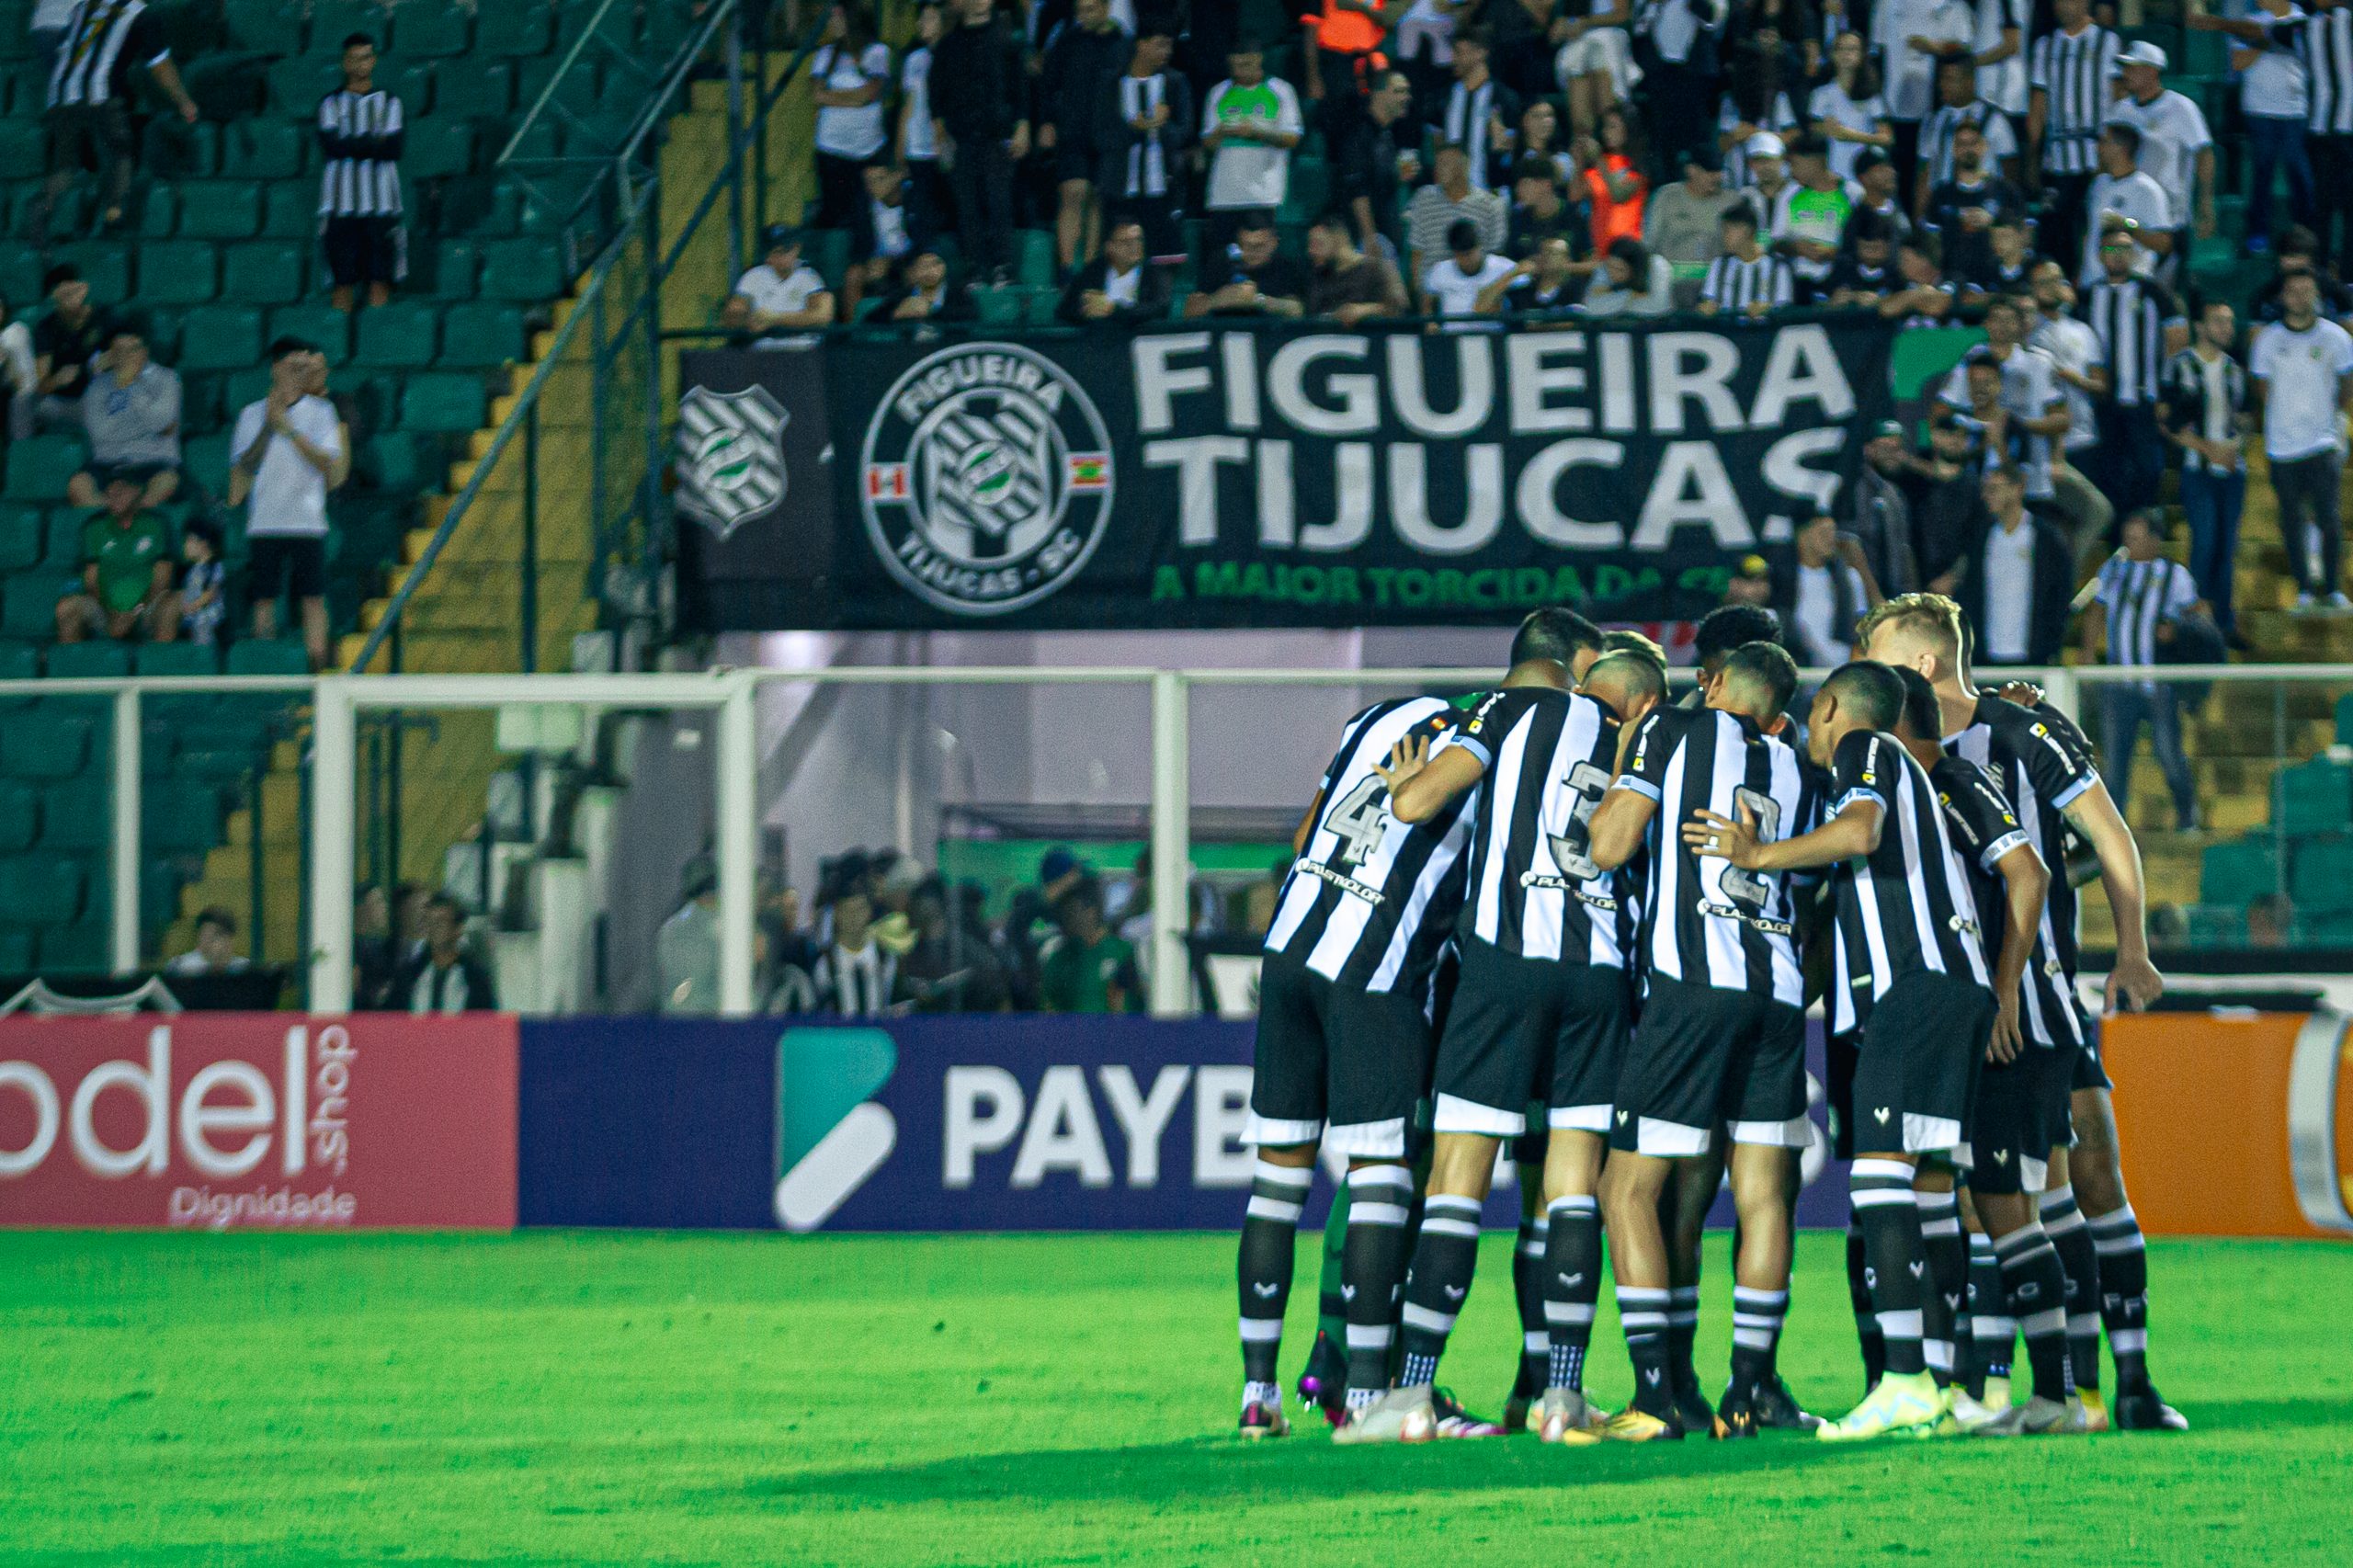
(279,271)
(176,816)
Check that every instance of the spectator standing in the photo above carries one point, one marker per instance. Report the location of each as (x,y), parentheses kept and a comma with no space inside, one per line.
(131,413)
(685,948)
(2068,95)
(1374,166)
(360,224)
(216,947)
(856,976)
(1827,589)
(1757,107)
(1478,113)
(2079,364)
(2325,44)
(2141,598)
(1250,122)
(66,343)
(204,585)
(1610,180)
(979,86)
(1879,514)
(287,451)
(2202,408)
(2303,366)
(1999,51)
(1349,285)
(2139,327)
(1629,281)
(1540,137)
(1875,172)
(2124,190)
(918,142)
(1425,38)
(1120,285)
(1453,287)
(1147,124)
(2176,147)
(2021,580)
(126,575)
(1087,55)
(1448,198)
(1767,179)
(2295,254)
(1683,222)
(444,977)
(1685,65)
(1347,36)
(1847,110)
(375,964)
(1959,108)
(2033,416)
(1949,515)
(1251,277)
(1912,37)
(2267,52)
(849,78)
(1596,66)
(1809,217)
(1091,969)
(91,96)
(781,297)
(1746,280)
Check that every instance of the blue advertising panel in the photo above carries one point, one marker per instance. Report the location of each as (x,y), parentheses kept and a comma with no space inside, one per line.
(973,1123)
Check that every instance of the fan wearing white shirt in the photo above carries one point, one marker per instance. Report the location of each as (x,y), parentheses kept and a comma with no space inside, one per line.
(2124,189)
(2303,366)
(1830,590)
(1250,122)
(1847,110)
(287,451)
(849,76)
(1912,36)
(2176,149)
(780,295)
(1453,285)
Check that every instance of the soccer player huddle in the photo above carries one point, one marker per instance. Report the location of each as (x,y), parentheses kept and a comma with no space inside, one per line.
(1575,920)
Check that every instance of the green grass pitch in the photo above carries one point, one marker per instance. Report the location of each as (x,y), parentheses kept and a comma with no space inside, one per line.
(583,1398)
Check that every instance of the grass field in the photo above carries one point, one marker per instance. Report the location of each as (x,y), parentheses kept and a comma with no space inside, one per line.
(577,1398)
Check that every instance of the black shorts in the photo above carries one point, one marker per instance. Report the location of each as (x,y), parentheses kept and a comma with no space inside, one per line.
(1916,1071)
(90,136)
(2009,1139)
(1838,1092)
(1331,1057)
(1075,157)
(276,563)
(1524,1031)
(365,250)
(1703,1058)
(2090,1073)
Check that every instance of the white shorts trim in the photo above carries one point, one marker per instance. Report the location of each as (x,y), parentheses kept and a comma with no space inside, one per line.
(1789,1134)
(1579,1118)
(1453,1114)
(2033,1175)
(1931,1134)
(1670,1140)
(1368,1140)
(1268,1133)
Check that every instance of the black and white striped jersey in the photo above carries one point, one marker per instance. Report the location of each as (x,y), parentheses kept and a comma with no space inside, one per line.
(2042,763)
(2324,43)
(1907,907)
(1734,285)
(2071,70)
(1986,828)
(2130,319)
(360,136)
(1533,888)
(1372,899)
(1704,921)
(104,39)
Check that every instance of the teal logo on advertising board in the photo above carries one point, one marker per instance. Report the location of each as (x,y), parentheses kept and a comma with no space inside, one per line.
(831,1136)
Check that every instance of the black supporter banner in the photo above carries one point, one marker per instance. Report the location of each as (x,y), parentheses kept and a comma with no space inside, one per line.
(1294,475)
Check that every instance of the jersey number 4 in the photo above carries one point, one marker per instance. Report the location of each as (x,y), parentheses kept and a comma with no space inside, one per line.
(1572,847)
(1746,888)
(1360,820)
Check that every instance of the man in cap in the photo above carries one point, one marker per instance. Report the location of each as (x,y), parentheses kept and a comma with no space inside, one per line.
(2176,149)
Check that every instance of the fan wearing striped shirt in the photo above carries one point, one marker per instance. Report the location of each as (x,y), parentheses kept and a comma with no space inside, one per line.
(2136,612)
(1748,280)
(91,97)
(1911,981)
(361,130)
(1540,1015)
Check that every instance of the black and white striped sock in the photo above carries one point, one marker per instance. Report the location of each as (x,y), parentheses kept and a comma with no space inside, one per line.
(1948,1258)
(1682,1333)
(1380,1198)
(2035,1288)
(1439,1282)
(1527,1294)
(1993,1331)
(1641,1312)
(1269,1247)
(1572,1286)
(1890,1220)
(2063,1222)
(2124,1293)
(1756,1319)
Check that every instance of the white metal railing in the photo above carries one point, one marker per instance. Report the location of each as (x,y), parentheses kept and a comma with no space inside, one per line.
(336,702)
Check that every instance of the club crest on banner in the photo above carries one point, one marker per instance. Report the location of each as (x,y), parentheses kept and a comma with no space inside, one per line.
(987,478)
(730,457)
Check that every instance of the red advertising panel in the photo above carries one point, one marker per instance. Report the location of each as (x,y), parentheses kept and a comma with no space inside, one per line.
(258,1121)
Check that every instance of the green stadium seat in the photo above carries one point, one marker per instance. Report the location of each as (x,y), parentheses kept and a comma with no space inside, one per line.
(90,661)
(220,209)
(332,21)
(206,458)
(540,142)
(177,272)
(483,89)
(828,250)
(177,659)
(264,27)
(487,212)
(390,461)
(617,24)
(24,149)
(576,90)
(241,388)
(39,468)
(514,28)
(411,81)
(457,269)
(221,338)
(482,336)
(1037,265)
(184,821)
(20,818)
(39,890)
(423,31)
(290,211)
(105,268)
(21,265)
(75,816)
(270,656)
(29,607)
(318,324)
(265,272)
(170,149)
(19,661)
(2321,878)
(2313,797)
(402,335)
(1001,307)
(164,328)
(438,147)
(43,747)
(2239,872)
(296,84)
(82,947)
(21,536)
(159,213)
(64,553)
(442,402)
(521,269)
(16,954)
(263,149)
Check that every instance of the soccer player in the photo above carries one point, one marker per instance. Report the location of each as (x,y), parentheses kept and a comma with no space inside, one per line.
(1539,1011)
(2010,1139)
(1344,1043)
(1722,1035)
(2045,767)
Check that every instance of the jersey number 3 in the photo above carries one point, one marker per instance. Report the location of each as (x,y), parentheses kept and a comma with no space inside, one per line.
(1747,889)
(1360,820)
(1572,847)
